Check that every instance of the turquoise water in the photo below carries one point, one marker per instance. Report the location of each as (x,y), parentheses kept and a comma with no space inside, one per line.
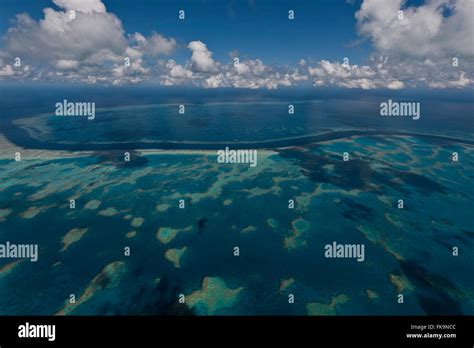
(281,250)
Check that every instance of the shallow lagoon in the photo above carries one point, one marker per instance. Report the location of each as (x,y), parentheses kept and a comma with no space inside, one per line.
(349,202)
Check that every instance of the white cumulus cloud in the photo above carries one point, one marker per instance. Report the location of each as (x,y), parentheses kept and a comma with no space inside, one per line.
(81,5)
(90,46)
(201,58)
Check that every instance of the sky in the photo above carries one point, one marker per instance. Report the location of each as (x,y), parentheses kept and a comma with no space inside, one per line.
(254,28)
(119,42)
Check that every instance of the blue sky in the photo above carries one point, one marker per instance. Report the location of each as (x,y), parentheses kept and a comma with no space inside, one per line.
(384,51)
(253,28)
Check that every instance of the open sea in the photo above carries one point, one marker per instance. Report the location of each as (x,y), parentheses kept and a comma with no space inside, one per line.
(164,226)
